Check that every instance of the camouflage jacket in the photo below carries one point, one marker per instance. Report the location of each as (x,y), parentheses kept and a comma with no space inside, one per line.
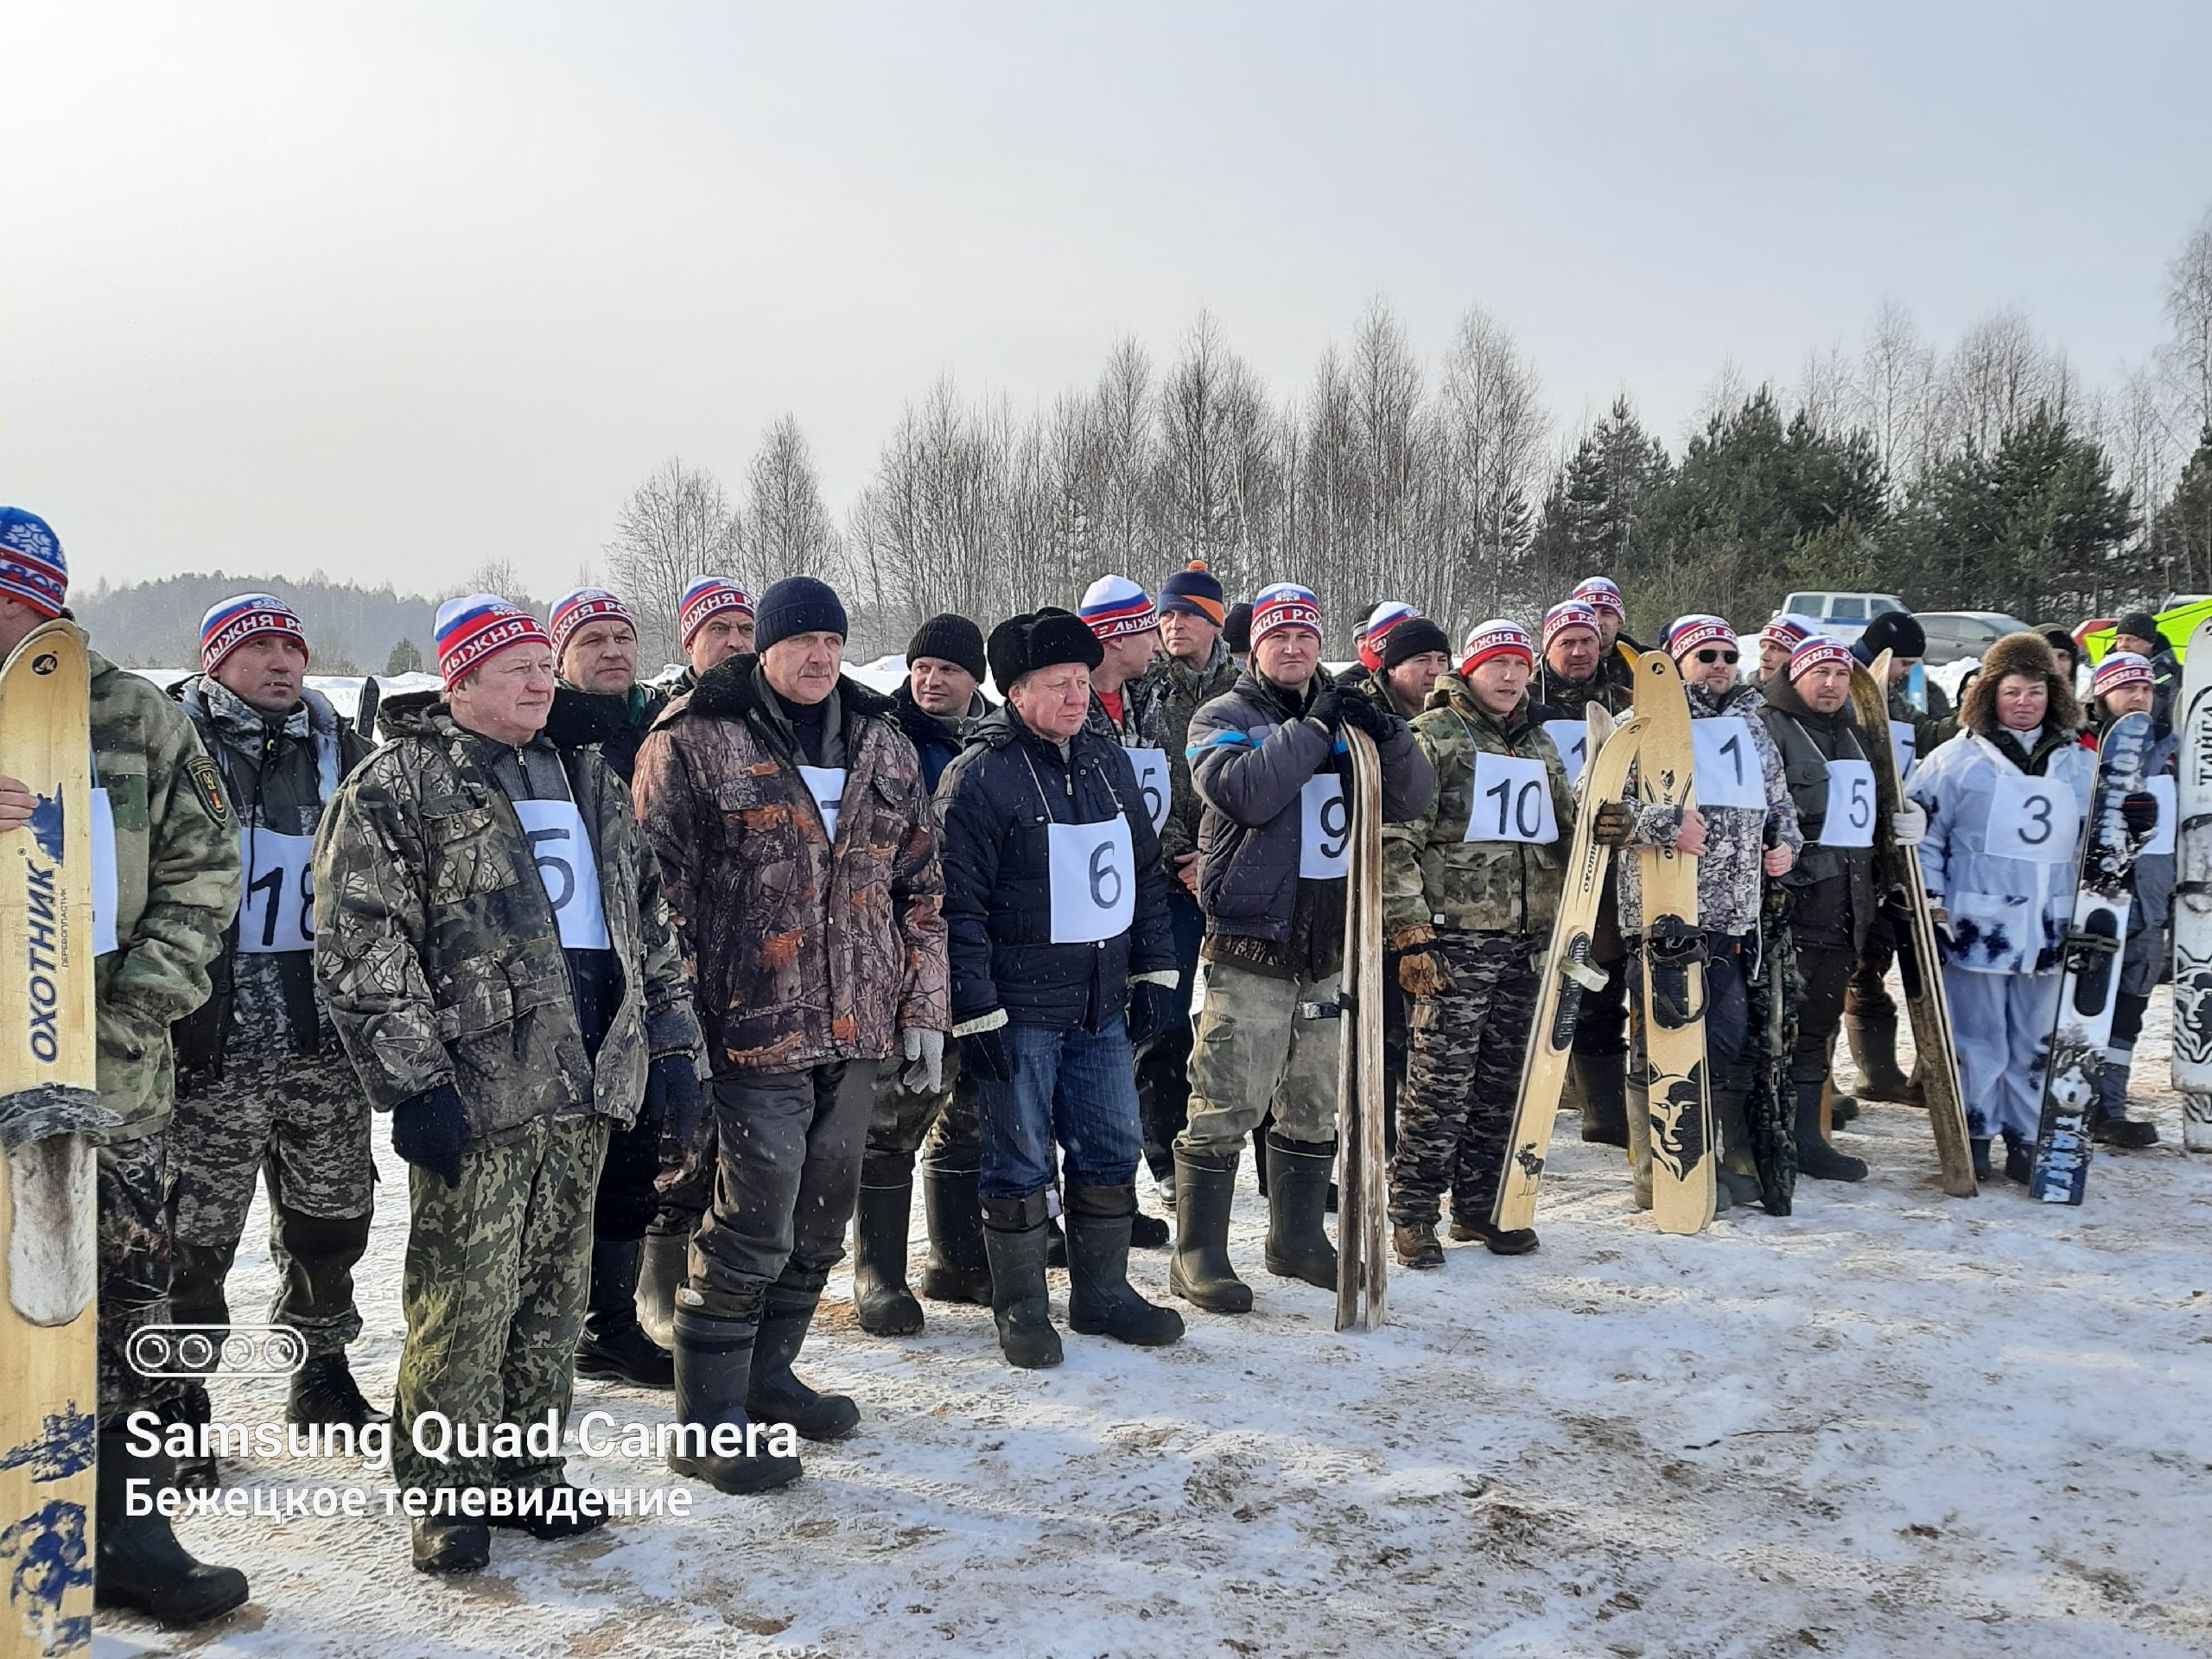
(1431,874)
(176,881)
(803,952)
(1554,696)
(436,946)
(1168,694)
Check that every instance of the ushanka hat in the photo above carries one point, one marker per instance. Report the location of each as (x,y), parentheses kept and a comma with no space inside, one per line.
(1022,645)
(230,623)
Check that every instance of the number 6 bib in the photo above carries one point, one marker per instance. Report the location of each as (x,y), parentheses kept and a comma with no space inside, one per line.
(1094,880)
(1513,800)
(2033,819)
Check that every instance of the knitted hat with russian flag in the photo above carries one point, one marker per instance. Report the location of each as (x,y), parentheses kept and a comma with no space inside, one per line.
(230,623)
(1686,634)
(1568,616)
(1284,605)
(706,596)
(1499,637)
(1376,629)
(1814,650)
(2121,668)
(582,604)
(1599,593)
(471,631)
(1115,606)
(32,568)
(1786,628)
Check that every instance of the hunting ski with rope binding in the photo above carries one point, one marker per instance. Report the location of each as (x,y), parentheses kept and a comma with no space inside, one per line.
(1362,1220)
(2192,1027)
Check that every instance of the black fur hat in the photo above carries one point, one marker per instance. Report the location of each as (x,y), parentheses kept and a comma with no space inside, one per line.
(1022,645)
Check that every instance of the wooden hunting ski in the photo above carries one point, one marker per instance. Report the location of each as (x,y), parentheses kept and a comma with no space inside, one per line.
(47,1074)
(1567,973)
(1362,1219)
(1919,969)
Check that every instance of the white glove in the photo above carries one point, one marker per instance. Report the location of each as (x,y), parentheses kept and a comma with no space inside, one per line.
(923,1072)
(1909,824)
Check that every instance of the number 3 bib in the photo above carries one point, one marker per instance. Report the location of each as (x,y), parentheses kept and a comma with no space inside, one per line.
(1094,885)
(2033,819)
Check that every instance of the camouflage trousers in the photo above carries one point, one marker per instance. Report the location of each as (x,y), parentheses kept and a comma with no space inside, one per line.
(1256,1053)
(300,1125)
(136,1208)
(497,1274)
(1463,1077)
(941,1124)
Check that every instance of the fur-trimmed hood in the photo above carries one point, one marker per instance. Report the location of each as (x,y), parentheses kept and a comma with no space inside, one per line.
(2019,653)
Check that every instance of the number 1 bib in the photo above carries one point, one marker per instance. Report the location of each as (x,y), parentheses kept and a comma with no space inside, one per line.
(1513,800)
(565,864)
(1323,828)
(1727,763)
(2033,819)
(1094,880)
(1572,738)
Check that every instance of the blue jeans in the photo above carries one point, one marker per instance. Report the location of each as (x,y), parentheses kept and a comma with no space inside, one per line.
(1073,1086)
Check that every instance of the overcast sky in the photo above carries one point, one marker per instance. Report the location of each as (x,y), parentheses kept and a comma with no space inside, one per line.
(389,291)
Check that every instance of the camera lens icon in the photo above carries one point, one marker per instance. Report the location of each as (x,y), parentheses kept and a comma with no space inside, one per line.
(194,1351)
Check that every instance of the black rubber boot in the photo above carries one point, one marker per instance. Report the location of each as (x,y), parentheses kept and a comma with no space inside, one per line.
(1149,1232)
(777,1395)
(1842,1109)
(662,1266)
(1510,1241)
(957,1269)
(1738,1170)
(1013,1235)
(1817,1159)
(323,1391)
(714,1370)
(1297,1244)
(1200,1272)
(138,1563)
(2113,1127)
(1874,1051)
(614,1345)
(191,1406)
(881,1303)
(1101,1301)
(1260,1156)
(1981,1168)
(2020,1158)
(1602,1080)
(1056,1245)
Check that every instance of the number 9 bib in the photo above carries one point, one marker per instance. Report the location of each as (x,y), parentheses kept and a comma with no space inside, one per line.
(2033,819)
(1323,828)
(1094,880)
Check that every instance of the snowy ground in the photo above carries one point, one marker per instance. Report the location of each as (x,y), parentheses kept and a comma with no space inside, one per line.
(1892,1423)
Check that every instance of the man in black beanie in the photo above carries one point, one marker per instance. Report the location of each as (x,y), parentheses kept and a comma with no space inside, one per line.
(1236,634)
(939,703)
(2138,631)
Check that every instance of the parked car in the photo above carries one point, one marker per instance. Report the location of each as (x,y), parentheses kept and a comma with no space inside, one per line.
(1842,616)
(1954,634)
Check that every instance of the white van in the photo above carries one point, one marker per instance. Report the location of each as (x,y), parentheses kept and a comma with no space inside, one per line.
(1842,616)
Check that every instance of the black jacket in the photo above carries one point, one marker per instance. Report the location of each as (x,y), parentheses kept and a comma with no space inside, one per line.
(936,738)
(994,802)
(617,724)
(1834,885)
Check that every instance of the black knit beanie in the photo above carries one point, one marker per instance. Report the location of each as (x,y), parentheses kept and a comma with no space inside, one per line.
(950,639)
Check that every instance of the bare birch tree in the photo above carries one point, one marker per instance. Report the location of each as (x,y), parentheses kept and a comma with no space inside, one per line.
(676,526)
(2188,357)
(788,532)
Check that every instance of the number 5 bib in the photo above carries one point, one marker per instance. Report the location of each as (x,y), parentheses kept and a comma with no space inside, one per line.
(1513,800)
(1094,880)
(1727,764)
(2033,819)
(1849,818)
(1151,767)
(565,864)
(1323,828)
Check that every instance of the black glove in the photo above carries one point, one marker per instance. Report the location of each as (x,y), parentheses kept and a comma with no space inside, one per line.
(1379,724)
(1327,709)
(2139,811)
(1612,823)
(1152,1010)
(989,1054)
(430,1131)
(673,1102)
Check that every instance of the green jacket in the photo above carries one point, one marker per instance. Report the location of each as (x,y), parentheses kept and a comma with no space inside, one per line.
(1168,694)
(176,888)
(1431,875)
(438,952)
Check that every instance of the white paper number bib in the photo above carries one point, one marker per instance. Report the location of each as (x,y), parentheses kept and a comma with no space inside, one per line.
(276,909)
(1905,743)
(1094,880)
(1572,738)
(567,867)
(1513,800)
(2033,819)
(1727,763)
(1850,819)
(827,785)
(2161,790)
(103,893)
(1323,828)
(1151,766)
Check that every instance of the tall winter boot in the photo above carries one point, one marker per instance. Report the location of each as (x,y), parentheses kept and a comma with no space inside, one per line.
(1637,1106)
(881,1303)
(1013,1235)
(1874,1040)
(958,1271)
(775,1396)
(1739,1171)
(614,1346)
(1601,1084)
(319,1253)
(1817,1159)
(2111,1126)
(191,1406)
(1298,1195)
(1199,1271)
(714,1372)
(662,1265)
(139,1564)
(1101,1300)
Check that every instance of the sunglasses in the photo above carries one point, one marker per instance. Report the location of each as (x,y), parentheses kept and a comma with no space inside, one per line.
(1710,657)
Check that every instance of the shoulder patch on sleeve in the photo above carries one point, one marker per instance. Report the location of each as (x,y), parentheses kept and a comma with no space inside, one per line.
(208,786)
